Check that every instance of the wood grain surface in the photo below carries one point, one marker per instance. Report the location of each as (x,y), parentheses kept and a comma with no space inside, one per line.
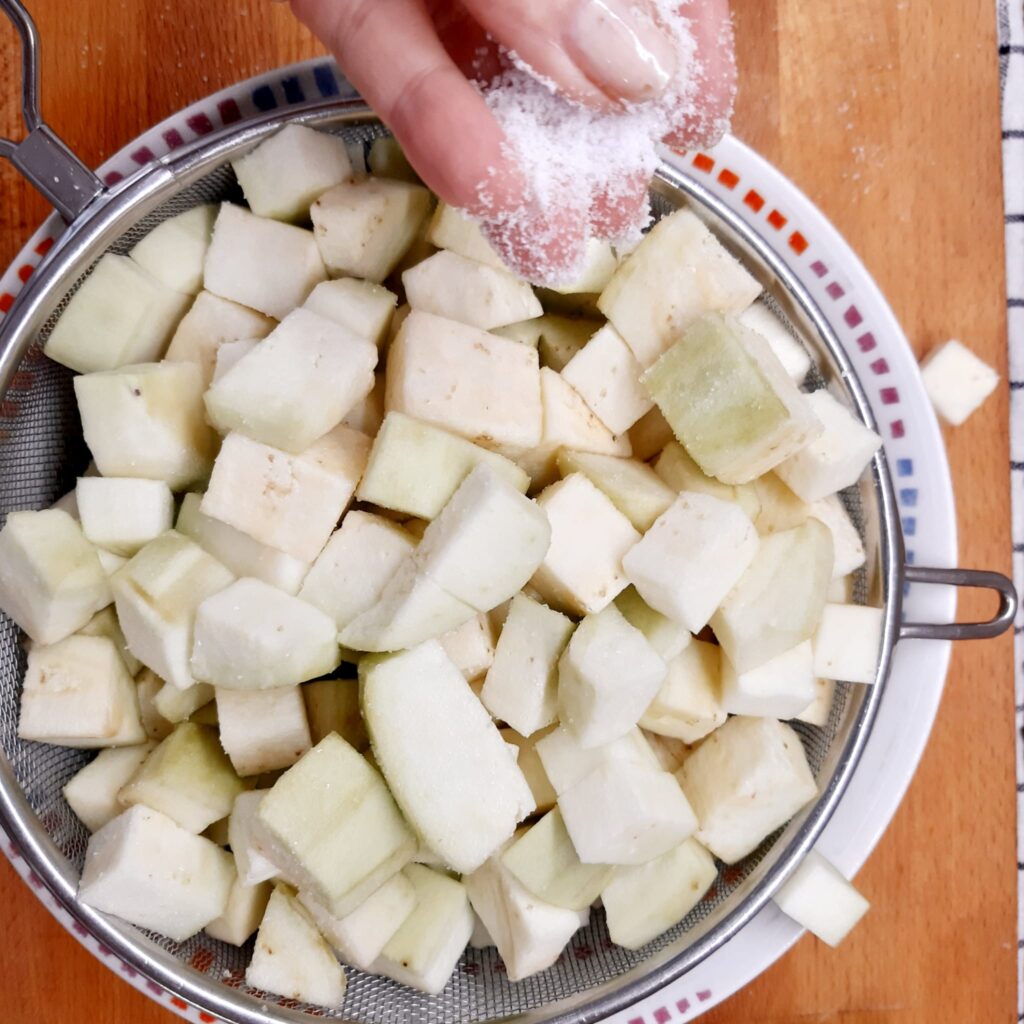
(886,114)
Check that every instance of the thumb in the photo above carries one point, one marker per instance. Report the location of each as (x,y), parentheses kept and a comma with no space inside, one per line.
(598,52)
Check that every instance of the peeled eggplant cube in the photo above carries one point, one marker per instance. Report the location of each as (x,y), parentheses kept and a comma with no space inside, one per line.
(681,473)
(568,425)
(633,487)
(679,272)
(353,569)
(157,594)
(332,705)
(556,338)
(51,580)
(291,958)
(363,228)
(668,638)
(263,730)
(818,711)
(606,373)
(486,542)
(187,777)
(848,641)
(793,356)
(454,230)
(779,600)
(780,509)
(284,174)
(821,900)
(780,688)
(465,796)
(244,838)
(544,860)
(211,322)
(360,937)
(521,687)
(729,401)
(846,542)
(470,647)
(121,514)
(530,933)
(626,814)
(461,289)
(288,502)
(835,459)
(411,609)
(174,251)
(692,557)
(245,909)
(645,900)
(237,266)
(145,869)
(120,315)
(296,385)
(582,570)
(462,379)
(148,420)
(77,693)
(424,951)
(237,551)
(174,705)
(607,677)
(416,467)
(362,307)
(251,636)
(689,706)
(333,828)
(746,780)
(566,761)
(92,792)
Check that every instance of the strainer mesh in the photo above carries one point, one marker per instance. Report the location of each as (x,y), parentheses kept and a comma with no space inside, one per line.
(41,453)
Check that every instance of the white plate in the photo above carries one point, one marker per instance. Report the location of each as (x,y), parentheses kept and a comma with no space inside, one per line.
(825,264)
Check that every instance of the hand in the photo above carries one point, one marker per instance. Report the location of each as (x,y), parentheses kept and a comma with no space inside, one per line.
(416,61)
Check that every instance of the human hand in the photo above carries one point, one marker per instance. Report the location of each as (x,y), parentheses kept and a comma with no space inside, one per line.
(420,65)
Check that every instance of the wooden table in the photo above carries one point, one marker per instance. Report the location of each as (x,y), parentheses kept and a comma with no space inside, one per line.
(886,114)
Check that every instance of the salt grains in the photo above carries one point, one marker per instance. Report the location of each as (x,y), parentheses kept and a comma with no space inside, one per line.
(569,154)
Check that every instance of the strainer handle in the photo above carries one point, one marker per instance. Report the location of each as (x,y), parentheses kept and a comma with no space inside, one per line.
(41,157)
(973,579)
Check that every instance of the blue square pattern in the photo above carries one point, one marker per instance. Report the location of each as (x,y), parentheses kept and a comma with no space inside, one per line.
(264,98)
(904,467)
(909,526)
(293,91)
(323,75)
(908,496)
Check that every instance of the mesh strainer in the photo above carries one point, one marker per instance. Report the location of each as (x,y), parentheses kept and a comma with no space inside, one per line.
(41,452)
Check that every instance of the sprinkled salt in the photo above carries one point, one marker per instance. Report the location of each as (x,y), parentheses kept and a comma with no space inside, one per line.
(571,155)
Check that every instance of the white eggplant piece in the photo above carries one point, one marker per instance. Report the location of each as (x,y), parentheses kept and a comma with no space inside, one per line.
(688,706)
(847,546)
(821,900)
(121,515)
(957,381)
(566,762)
(174,252)
(244,835)
(263,730)
(818,711)
(174,705)
(362,307)
(92,792)
(668,638)
(793,356)
(847,643)
(679,472)
(470,647)
(245,909)
(780,688)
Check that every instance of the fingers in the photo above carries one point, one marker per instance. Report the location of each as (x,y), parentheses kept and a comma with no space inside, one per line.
(391,52)
(598,52)
(707,119)
(619,210)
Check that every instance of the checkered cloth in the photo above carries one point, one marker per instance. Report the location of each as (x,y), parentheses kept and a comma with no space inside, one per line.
(1011,74)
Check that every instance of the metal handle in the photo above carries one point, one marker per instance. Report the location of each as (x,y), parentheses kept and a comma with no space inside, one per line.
(962,630)
(46,161)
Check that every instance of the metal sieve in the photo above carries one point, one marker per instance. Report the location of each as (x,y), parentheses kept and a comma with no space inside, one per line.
(41,452)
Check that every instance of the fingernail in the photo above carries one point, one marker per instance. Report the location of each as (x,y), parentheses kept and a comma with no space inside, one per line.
(621,49)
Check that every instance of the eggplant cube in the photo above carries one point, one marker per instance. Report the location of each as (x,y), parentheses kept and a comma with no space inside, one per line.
(679,272)
(263,730)
(288,502)
(465,796)
(244,837)
(120,315)
(454,230)
(834,460)
(174,252)
(522,684)
(780,688)
(692,557)
(51,580)
(77,693)
(957,381)
(470,647)
(363,228)
(607,677)
(296,385)
(92,792)
(475,384)
(668,638)
(121,514)
(157,593)
(245,909)
(566,761)
(779,600)
(148,421)
(794,357)
(486,543)
(582,570)
(746,780)
(149,871)
(284,174)
(821,900)
(688,706)
(848,642)
(846,542)
(361,307)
